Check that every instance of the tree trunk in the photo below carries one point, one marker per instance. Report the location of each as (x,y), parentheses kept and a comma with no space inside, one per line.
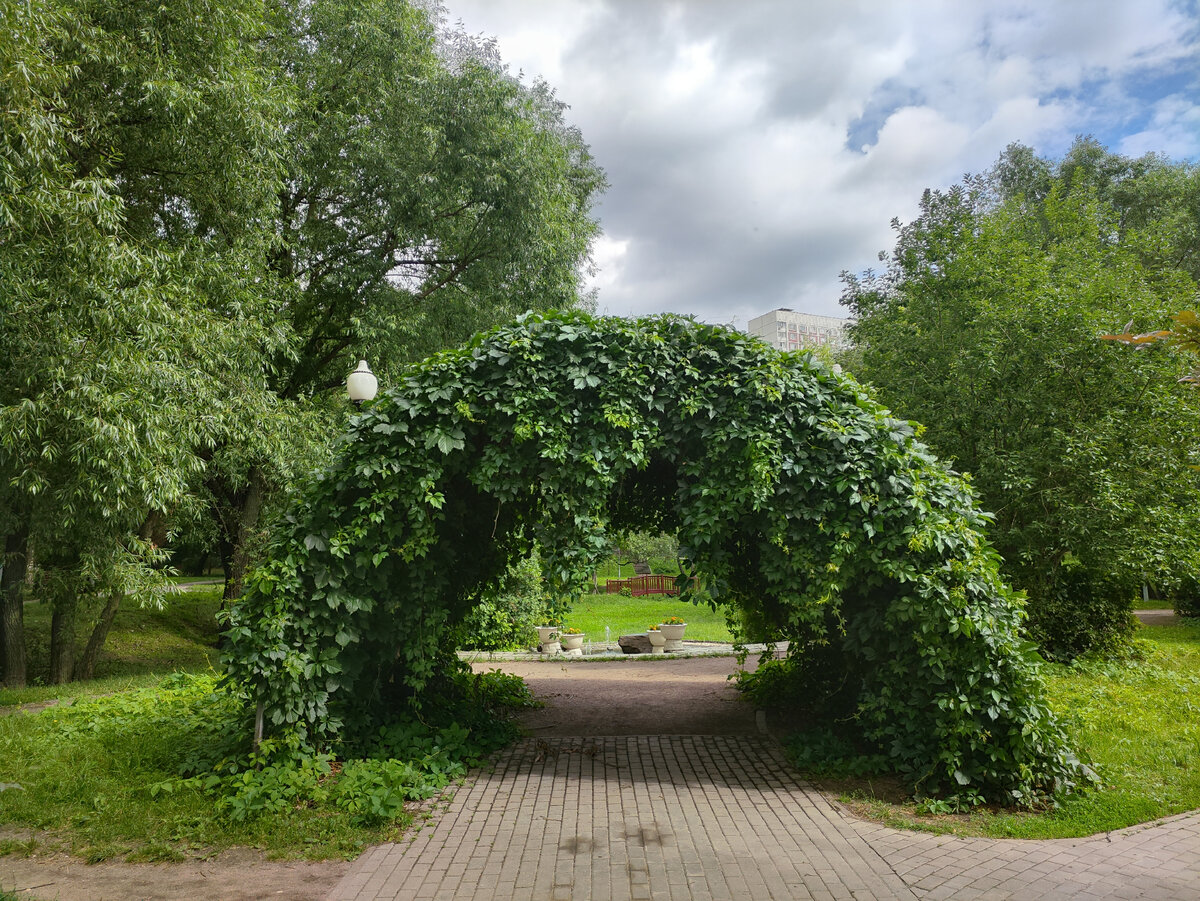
(86,668)
(12,610)
(62,639)
(239,559)
(154,530)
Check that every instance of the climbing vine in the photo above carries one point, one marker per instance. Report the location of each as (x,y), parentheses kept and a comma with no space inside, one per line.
(801,500)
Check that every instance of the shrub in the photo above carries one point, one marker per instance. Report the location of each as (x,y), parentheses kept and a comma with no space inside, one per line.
(506,618)
(1082,609)
(792,489)
(813,684)
(1185,599)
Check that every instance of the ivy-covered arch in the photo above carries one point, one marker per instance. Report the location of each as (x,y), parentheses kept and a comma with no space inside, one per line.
(802,501)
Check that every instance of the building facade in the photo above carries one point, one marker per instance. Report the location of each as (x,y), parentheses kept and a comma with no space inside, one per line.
(788,330)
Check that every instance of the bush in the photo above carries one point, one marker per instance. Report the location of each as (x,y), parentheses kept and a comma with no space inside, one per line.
(1082,609)
(1185,599)
(506,618)
(813,684)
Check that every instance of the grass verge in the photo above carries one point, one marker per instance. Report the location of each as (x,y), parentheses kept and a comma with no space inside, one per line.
(104,778)
(98,769)
(1137,723)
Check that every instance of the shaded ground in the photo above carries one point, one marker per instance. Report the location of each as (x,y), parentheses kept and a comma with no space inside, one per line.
(686,696)
(1157,617)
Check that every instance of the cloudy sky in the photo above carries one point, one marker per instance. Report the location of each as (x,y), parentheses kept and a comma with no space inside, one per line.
(757,148)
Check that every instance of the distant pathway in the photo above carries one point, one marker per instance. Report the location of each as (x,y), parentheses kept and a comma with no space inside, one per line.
(715,817)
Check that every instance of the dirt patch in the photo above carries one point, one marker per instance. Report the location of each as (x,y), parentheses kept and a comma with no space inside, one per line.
(1157,617)
(31,707)
(239,874)
(684,696)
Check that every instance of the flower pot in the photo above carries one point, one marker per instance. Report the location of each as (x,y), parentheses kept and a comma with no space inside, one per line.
(673,635)
(572,644)
(548,639)
(657,641)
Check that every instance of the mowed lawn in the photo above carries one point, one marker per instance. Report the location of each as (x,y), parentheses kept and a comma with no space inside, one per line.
(625,616)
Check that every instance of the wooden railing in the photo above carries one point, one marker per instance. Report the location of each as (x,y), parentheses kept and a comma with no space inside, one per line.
(642,585)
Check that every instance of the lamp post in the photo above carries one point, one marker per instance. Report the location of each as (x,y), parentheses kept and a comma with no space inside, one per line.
(361,384)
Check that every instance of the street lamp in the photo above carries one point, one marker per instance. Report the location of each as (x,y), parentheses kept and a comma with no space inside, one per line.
(361,384)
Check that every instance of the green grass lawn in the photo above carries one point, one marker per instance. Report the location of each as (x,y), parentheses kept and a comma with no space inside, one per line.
(145,644)
(97,774)
(625,616)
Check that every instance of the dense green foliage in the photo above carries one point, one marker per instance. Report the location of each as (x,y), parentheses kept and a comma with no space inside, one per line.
(986,329)
(209,212)
(507,616)
(797,495)
(1136,722)
(129,323)
(426,194)
(1186,597)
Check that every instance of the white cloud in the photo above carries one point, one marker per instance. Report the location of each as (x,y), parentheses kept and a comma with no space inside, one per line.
(1174,130)
(755,149)
(607,256)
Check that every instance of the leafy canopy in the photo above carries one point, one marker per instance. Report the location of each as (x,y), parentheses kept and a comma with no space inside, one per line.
(984,328)
(800,499)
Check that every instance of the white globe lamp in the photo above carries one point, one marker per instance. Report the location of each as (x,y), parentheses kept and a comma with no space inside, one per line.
(361,384)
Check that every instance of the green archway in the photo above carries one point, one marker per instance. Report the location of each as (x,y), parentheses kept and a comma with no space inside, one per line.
(802,499)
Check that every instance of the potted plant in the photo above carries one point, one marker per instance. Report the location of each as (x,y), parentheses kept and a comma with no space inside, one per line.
(572,641)
(657,639)
(548,639)
(672,628)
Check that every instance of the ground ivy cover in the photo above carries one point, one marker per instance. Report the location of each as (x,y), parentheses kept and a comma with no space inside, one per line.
(799,498)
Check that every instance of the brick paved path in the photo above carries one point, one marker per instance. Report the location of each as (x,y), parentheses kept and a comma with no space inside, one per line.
(723,817)
(631,817)
(1158,862)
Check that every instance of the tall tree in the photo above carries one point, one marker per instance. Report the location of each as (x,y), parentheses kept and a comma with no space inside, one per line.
(428,194)
(137,172)
(984,329)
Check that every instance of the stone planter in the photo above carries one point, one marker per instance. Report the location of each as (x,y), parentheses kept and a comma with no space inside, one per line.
(658,641)
(572,644)
(673,635)
(548,639)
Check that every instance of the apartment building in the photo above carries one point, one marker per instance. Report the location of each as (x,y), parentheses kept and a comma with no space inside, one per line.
(788,330)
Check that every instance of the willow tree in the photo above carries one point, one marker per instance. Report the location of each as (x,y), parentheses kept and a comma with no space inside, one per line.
(427,195)
(802,501)
(136,162)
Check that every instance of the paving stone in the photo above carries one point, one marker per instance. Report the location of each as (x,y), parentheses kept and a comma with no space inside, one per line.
(718,818)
